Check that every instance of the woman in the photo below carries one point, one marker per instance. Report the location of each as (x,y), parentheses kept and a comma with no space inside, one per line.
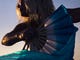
(34,11)
(31,14)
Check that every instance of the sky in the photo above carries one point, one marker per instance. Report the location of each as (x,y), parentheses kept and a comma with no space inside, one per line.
(8,20)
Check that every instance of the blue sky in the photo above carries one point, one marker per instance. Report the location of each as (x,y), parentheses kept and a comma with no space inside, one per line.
(8,20)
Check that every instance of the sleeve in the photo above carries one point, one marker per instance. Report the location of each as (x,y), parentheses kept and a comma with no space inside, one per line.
(75,13)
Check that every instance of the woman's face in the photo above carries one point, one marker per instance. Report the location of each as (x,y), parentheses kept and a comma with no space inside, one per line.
(18,12)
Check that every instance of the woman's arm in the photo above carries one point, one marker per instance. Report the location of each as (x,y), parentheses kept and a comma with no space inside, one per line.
(75,13)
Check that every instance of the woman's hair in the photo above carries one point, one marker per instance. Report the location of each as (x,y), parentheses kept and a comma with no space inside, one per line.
(37,9)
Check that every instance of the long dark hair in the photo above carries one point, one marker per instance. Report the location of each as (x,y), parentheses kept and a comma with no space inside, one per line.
(37,9)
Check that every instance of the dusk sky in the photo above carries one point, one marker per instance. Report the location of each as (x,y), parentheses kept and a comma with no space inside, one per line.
(8,20)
